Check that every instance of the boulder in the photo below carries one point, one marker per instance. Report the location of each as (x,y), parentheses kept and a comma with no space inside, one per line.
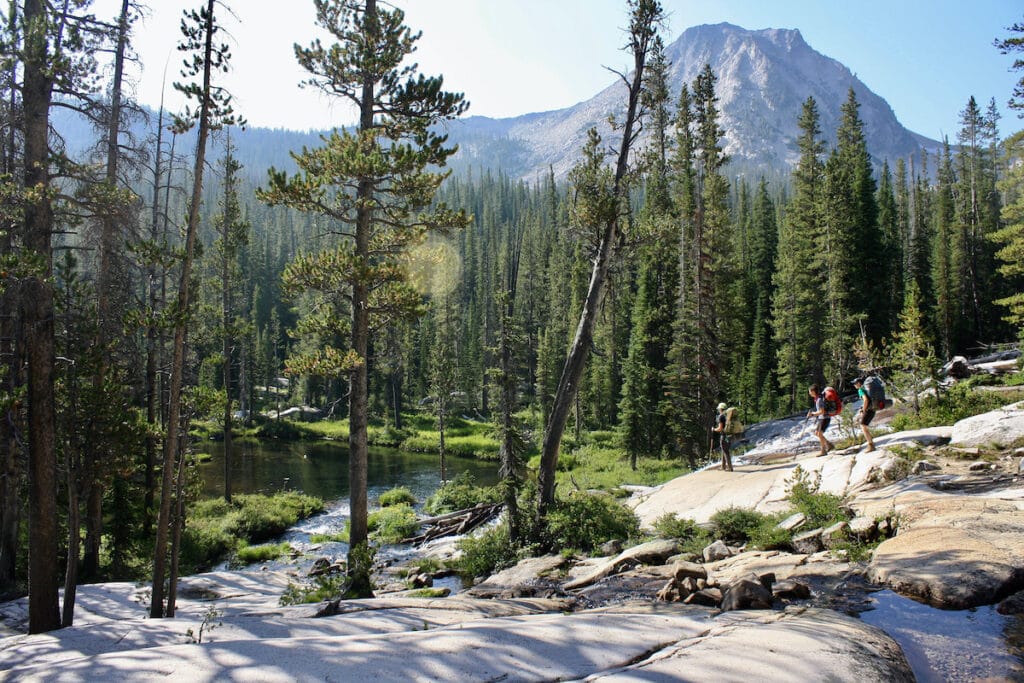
(706,597)
(834,535)
(998,428)
(793,522)
(808,542)
(746,594)
(517,581)
(652,552)
(864,528)
(953,551)
(689,570)
(791,590)
(922,466)
(957,367)
(980,466)
(717,551)
(1013,604)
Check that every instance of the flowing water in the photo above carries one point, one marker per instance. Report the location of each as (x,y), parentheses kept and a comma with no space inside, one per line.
(945,645)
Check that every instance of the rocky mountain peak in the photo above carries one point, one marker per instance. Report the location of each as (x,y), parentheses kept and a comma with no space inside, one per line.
(764,77)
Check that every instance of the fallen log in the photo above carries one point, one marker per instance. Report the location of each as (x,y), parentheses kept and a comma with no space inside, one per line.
(454,523)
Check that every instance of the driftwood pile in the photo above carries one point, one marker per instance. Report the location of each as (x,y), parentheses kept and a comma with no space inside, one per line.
(452,523)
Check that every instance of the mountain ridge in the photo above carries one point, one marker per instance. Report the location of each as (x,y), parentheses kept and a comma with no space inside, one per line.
(763,78)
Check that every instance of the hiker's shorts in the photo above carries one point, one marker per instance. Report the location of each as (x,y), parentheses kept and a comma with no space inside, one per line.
(866,416)
(823,423)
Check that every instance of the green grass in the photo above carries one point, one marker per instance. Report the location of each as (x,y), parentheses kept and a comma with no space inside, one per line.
(400,495)
(393,524)
(251,554)
(216,528)
(959,402)
(605,466)
(340,537)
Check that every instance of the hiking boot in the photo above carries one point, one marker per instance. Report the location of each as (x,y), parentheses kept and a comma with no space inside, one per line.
(831,447)
(869,449)
(822,453)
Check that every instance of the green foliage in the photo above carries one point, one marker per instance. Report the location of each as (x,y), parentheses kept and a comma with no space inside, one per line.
(216,528)
(323,587)
(821,509)
(460,493)
(584,521)
(286,430)
(959,402)
(340,537)
(736,524)
(250,554)
(400,495)
(486,553)
(692,537)
(393,524)
(427,593)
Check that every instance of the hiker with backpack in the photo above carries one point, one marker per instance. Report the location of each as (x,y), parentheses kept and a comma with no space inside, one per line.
(872,394)
(823,410)
(720,434)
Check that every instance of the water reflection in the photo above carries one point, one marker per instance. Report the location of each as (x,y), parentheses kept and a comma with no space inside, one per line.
(947,645)
(321,469)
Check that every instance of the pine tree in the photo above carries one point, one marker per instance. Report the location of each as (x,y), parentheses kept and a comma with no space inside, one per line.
(799,306)
(1011,235)
(213,110)
(372,182)
(602,199)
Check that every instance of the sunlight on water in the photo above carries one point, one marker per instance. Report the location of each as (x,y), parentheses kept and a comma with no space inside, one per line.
(948,645)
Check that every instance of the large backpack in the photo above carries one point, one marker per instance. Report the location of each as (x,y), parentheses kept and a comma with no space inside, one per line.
(875,389)
(833,404)
(732,423)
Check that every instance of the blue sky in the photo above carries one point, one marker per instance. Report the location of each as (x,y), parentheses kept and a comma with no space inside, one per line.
(924,57)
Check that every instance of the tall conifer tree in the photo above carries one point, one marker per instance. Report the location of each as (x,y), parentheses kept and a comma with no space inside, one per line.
(373,183)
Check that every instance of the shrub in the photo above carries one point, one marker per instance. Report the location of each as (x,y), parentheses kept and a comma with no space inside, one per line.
(955,404)
(216,528)
(692,537)
(393,524)
(486,553)
(323,587)
(399,495)
(280,429)
(736,524)
(584,521)
(251,554)
(340,537)
(460,493)
(821,509)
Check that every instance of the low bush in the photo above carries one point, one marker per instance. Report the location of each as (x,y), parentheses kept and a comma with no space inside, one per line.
(393,524)
(958,402)
(460,493)
(692,537)
(400,495)
(216,528)
(251,554)
(486,553)
(821,509)
(736,524)
(323,587)
(584,521)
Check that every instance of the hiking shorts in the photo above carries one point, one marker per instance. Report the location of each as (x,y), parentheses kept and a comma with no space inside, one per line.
(866,416)
(823,423)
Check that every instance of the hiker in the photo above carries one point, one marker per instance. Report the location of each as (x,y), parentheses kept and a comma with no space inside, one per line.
(866,412)
(719,434)
(814,391)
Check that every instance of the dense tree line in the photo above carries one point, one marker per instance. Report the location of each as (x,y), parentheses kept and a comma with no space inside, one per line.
(141,292)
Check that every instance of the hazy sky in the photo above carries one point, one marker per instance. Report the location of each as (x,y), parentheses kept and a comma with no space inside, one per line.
(509,57)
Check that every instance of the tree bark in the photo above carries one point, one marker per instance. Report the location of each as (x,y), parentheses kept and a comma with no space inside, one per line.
(171,446)
(37,314)
(568,384)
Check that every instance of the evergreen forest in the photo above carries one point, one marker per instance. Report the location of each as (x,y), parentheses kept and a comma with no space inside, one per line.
(153,284)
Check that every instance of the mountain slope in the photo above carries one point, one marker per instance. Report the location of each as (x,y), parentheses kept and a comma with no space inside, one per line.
(764,77)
